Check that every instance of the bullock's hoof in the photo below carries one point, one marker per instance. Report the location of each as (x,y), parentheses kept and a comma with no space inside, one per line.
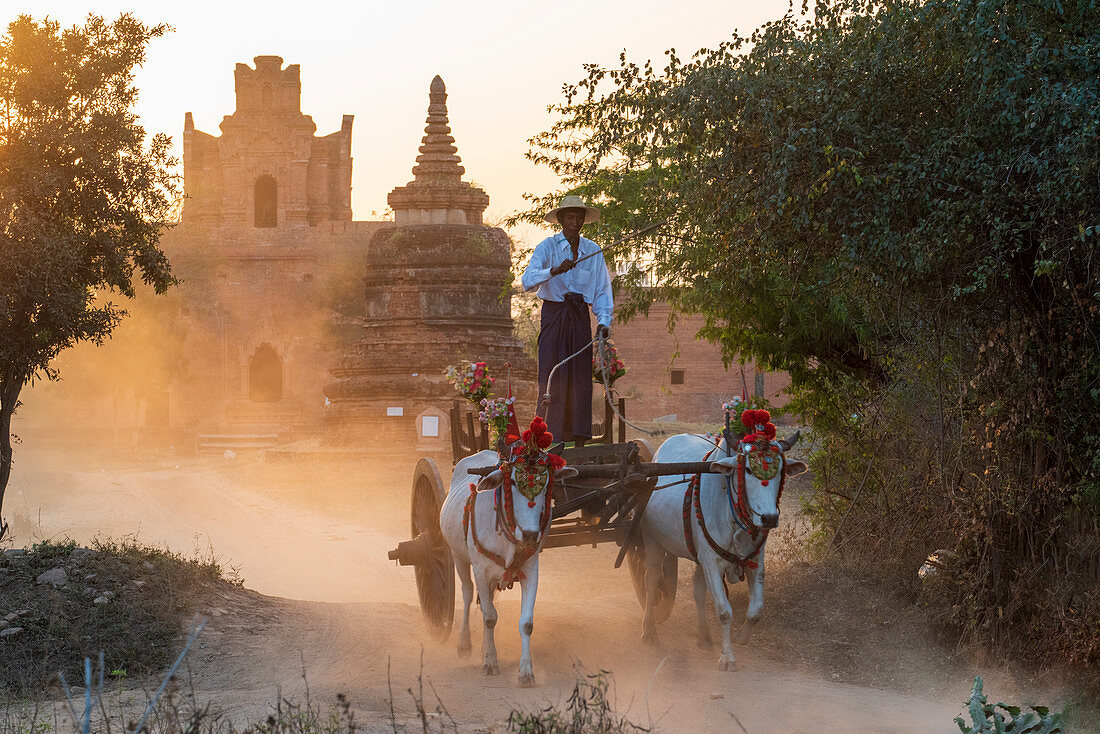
(649,638)
(704,642)
(527,680)
(464,650)
(490,669)
(726,662)
(741,636)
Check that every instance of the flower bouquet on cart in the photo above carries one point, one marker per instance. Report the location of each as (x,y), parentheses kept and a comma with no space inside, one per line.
(471,379)
(494,414)
(611,367)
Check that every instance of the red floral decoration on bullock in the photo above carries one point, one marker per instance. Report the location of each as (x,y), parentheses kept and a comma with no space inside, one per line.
(758,426)
(534,467)
(533,444)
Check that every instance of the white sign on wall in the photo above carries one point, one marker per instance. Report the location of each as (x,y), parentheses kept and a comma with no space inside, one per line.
(429,425)
(395,411)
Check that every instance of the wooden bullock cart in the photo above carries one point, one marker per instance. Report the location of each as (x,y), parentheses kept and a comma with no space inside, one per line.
(603,504)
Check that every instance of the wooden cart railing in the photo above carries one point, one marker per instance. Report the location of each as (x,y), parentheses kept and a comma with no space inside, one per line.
(468,436)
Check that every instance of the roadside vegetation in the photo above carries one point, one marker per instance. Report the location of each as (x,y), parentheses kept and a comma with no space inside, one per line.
(896,203)
(589,709)
(60,603)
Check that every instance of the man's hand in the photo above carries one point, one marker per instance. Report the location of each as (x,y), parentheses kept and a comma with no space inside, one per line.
(603,331)
(566,266)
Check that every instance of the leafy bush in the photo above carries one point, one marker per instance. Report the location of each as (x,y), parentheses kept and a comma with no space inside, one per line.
(896,203)
(985,717)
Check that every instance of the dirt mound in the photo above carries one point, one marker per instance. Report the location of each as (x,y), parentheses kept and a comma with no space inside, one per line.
(60,603)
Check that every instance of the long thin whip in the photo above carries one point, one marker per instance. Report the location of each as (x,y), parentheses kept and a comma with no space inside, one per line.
(520,290)
(621,240)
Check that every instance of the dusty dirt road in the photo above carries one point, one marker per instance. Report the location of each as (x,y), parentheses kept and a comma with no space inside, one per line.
(310,541)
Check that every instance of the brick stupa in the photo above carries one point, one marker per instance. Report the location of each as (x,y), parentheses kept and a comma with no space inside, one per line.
(436,292)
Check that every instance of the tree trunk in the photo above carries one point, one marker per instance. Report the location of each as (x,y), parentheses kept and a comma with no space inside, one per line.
(9,398)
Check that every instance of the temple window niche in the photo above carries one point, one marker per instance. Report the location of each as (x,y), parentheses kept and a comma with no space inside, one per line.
(267,202)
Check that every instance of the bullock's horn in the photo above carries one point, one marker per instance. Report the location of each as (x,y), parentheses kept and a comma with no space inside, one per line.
(786,444)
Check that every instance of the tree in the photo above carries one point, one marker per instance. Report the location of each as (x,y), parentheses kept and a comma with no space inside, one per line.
(83,199)
(897,203)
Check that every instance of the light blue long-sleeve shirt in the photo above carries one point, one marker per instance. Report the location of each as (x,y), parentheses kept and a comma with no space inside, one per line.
(590,278)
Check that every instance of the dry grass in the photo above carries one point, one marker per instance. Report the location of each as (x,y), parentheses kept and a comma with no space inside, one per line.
(127,600)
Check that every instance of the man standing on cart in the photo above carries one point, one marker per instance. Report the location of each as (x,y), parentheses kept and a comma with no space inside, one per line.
(571,276)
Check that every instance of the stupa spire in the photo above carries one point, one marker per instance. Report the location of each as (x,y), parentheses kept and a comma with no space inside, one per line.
(438,161)
(437,194)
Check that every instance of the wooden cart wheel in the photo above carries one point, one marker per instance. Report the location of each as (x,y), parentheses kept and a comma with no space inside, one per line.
(666,587)
(435,574)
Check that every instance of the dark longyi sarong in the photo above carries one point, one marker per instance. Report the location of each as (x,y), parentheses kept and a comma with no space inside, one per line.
(566,328)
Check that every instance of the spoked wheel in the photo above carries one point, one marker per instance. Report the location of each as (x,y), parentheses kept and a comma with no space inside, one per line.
(428,553)
(666,587)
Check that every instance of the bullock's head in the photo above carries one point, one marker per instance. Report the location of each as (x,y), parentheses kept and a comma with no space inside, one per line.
(756,471)
(530,471)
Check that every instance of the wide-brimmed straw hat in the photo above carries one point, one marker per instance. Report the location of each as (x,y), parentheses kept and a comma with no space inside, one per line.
(591,213)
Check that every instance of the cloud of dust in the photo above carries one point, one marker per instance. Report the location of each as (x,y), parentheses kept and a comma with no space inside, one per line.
(110,449)
(315,530)
(179,364)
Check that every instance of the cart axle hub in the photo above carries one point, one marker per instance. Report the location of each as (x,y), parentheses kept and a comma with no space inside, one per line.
(415,552)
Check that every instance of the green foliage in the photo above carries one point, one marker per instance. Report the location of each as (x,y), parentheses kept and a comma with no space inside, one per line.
(477,245)
(526,306)
(896,203)
(83,199)
(47,552)
(985,717)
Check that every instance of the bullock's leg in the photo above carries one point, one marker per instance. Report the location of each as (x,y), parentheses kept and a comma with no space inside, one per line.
(724,611)
(654,555)
(463,569)
(485,590)
(529,586)
(755,578)
(703,638)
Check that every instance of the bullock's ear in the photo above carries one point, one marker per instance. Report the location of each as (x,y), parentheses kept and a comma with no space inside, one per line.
(566,472)
(786,444)
(491,481)
(724,466)
(794,468)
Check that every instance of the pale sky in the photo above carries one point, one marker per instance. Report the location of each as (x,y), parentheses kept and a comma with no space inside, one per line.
(503,63)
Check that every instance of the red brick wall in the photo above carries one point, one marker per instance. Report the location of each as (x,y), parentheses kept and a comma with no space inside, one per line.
(651,354)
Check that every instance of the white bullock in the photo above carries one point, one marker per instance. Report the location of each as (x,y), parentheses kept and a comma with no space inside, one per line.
(719,520)
(500,544)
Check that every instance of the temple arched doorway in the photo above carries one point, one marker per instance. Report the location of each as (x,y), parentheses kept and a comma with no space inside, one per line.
(265,376)
(267,202)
